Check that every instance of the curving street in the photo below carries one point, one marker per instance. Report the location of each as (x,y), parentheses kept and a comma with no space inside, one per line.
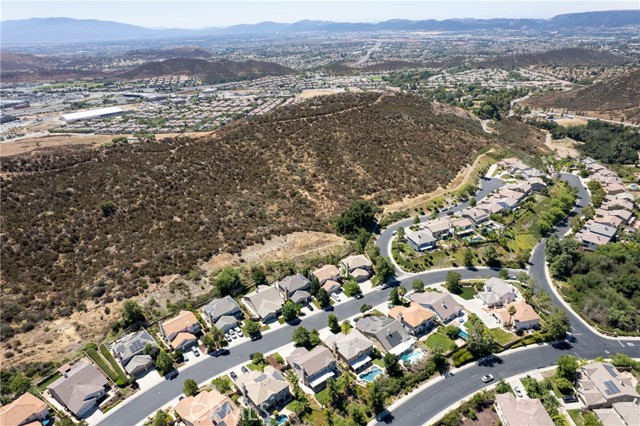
(429,402)
(426,404)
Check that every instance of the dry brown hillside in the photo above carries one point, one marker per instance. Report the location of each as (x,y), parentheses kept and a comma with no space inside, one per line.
(617,98)
(101,224)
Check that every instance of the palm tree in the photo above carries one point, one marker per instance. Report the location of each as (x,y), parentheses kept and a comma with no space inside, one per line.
(512,311)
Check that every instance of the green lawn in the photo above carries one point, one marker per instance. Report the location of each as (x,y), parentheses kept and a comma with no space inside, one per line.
(102,363)
(255,367)
(576,416)
(42,386)
(440,340)
(503,337)
(468,293)
(323,397)
(114,364)
(378,362)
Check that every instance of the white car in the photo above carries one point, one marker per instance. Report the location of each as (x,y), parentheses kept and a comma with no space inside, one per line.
(335,297)
(518,392)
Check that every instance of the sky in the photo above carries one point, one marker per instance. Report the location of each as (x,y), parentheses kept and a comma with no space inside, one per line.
(213,13)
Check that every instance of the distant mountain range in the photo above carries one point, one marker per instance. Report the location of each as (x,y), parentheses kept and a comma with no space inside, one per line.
(67,30)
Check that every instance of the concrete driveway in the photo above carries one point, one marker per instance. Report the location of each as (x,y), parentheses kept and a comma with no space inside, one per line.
(477,307)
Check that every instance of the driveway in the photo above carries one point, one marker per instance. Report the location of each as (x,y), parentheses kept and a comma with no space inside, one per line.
(477,307)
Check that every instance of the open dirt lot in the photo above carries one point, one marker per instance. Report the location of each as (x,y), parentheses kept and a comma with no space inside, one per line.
(294,247)
(312,93)
(568,122)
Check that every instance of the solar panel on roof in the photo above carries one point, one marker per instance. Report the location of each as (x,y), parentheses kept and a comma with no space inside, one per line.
(611,369)
(222,411)
(611,388)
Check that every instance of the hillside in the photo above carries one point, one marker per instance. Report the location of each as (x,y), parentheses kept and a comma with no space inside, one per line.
(561,57)
(82,224)
(210,72)
(616,98)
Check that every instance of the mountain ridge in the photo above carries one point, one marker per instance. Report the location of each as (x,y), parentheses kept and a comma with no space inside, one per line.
(69,30)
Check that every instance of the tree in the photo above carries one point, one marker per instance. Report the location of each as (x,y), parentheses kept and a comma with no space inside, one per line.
(364,308)
(160,419)
(503,274)
(332,390)
(491,256)
(19,384)
(258,358)
(151,350)
(451,331)
(392,365)
(503,387)
(567,367)
(402,291)
(228,281)
(345,327)
(164,363)
(301,337)
(383,269)
(556,325)
(394,297)
(351,288)
(356,413)
(251,328)
(564,386)
(249,417)
(472,202)
(452,282)
(512,311)
(215,339)
(590,419)
(131,313)
(289,311)
(334,327)
(360,215)
(418,286)
(108,208)
(468,257)
(481,341)
(376,398)
(258,276)
(315,285)
(323,298)
(190,387)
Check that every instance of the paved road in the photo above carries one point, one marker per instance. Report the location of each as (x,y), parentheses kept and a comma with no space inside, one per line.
(486,186)
(588,345)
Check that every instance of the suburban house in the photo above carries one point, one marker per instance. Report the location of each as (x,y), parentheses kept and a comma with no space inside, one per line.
(359,261)
(331,286)
(497,292)
(609,219)
(439,228)
(421,240)
(442,304)
(180,330)
(219,308)
(389,333)
(462,226)
(521,412)
(590,241)
(354,349)
(537,184)
(27,410)
(129,351)
(601,385)
(264,390)
(79,388)
(620,414)
(525,317)
(295,288)
(265,302)
(625,215)
(415,318)
(314,367)
(602,229)
(327,272)
(475,215)
(208,408)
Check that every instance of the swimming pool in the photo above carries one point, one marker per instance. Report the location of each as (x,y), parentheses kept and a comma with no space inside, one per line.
(371,375)
(463,334)
(634,187)
(281,418)
(412,357)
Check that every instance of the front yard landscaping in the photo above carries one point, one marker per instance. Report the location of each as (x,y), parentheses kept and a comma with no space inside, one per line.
(441,341)
(468,293)
(503,337)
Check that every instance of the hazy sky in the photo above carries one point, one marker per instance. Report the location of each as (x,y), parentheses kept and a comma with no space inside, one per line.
(199,14)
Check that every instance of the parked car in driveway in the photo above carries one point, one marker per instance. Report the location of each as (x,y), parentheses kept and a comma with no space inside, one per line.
(233,375)
(487,378)
(518,392)
(569,398)
(358,296)
(196,352)
(244,369)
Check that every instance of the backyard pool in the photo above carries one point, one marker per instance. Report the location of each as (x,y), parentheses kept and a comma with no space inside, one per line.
(634,187)
(281,418)
(463,334)
(371,375)
(412,357)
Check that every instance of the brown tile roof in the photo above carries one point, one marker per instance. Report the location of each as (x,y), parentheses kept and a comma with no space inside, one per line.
(199,409)
(414,315)
(181,322)
(21,409)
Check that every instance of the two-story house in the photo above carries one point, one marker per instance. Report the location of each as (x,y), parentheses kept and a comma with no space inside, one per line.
(354,349)
(180,330)
(265,390)
(314,367)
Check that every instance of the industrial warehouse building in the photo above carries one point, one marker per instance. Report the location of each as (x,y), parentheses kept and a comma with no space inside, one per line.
(92,113)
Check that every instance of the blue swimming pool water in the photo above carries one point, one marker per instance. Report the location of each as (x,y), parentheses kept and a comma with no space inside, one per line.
(281,418)
(371,375)
(463,334)
(413,356)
